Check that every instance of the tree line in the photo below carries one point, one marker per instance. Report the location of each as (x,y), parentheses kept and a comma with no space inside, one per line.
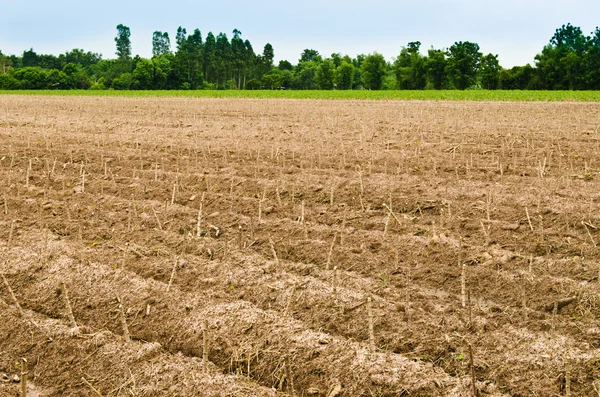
(570,61)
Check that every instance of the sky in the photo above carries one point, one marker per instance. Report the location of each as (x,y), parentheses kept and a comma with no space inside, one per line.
(515,30)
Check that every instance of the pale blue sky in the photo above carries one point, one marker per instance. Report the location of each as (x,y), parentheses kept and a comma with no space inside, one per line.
(514,29)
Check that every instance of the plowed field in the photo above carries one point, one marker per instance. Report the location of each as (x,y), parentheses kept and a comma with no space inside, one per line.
(264,247)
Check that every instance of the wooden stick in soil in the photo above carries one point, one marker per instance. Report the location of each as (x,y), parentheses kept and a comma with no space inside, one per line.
(470,308)
(288,376)
(290,300)
(472,366)
(554,313)
(24,378)
(330,253)
(274,252)
(407,304)
(331,194)
(589,234)
(463,284)
(198,229)
(10,234)
(528,219)
(68,305)
(5,204)
(392,214)
(531,265)
(28,173)
(172,274)
(277,194)
(157,220)
(301,219)
(567,376)
(88,384)
(13,297)
(205,346)
(334,285)
(385,229)
(260,201)
(126,336)
(174,193)
(371,331)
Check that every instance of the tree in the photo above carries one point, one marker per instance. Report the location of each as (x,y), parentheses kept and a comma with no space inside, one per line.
(209,57)
(76,77)
(31,78)
(569,38)
(193,48)
(564,63)
(161,44)
(463,64)
(304,76)
(273,79)
(285,65)
(266,59)
(336,57)
(435,69)
(344,76)
(5,63)
(592,61)
(309,55)
(409,68)
(373,70)
(324,74)
(30,58)
(223,55)
(518,78)
(490,69)
(238,50)
(123,42)
(250,60)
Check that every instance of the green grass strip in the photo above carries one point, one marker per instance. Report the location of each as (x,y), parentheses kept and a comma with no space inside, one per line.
(444,95)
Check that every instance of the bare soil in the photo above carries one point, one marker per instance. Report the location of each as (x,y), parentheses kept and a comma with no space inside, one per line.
(282,231)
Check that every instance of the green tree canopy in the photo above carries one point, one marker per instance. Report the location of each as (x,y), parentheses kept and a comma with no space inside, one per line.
(123,42)
(463,64)
(373,70)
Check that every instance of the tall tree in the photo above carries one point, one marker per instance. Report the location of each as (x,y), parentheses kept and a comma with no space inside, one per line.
(223,57)
(267,58)
(409,68)
(463,64)
(592,61)
(193,47)
(249,60)
(161,44)
(123,42)
(324,74)
(344,76)
(310,55)
(373,70)
(490,70)
(562,63)
(238,50)
(435,66)
(209,57)
(30,58)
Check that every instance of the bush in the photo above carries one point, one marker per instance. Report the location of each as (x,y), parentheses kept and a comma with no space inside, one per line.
(253,84)
(8,82)
(123,82)
(31,78)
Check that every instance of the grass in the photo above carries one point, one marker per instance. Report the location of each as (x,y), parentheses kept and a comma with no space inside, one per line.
(448,95)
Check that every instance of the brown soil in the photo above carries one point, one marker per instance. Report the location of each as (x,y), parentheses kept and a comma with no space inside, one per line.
(103,195)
